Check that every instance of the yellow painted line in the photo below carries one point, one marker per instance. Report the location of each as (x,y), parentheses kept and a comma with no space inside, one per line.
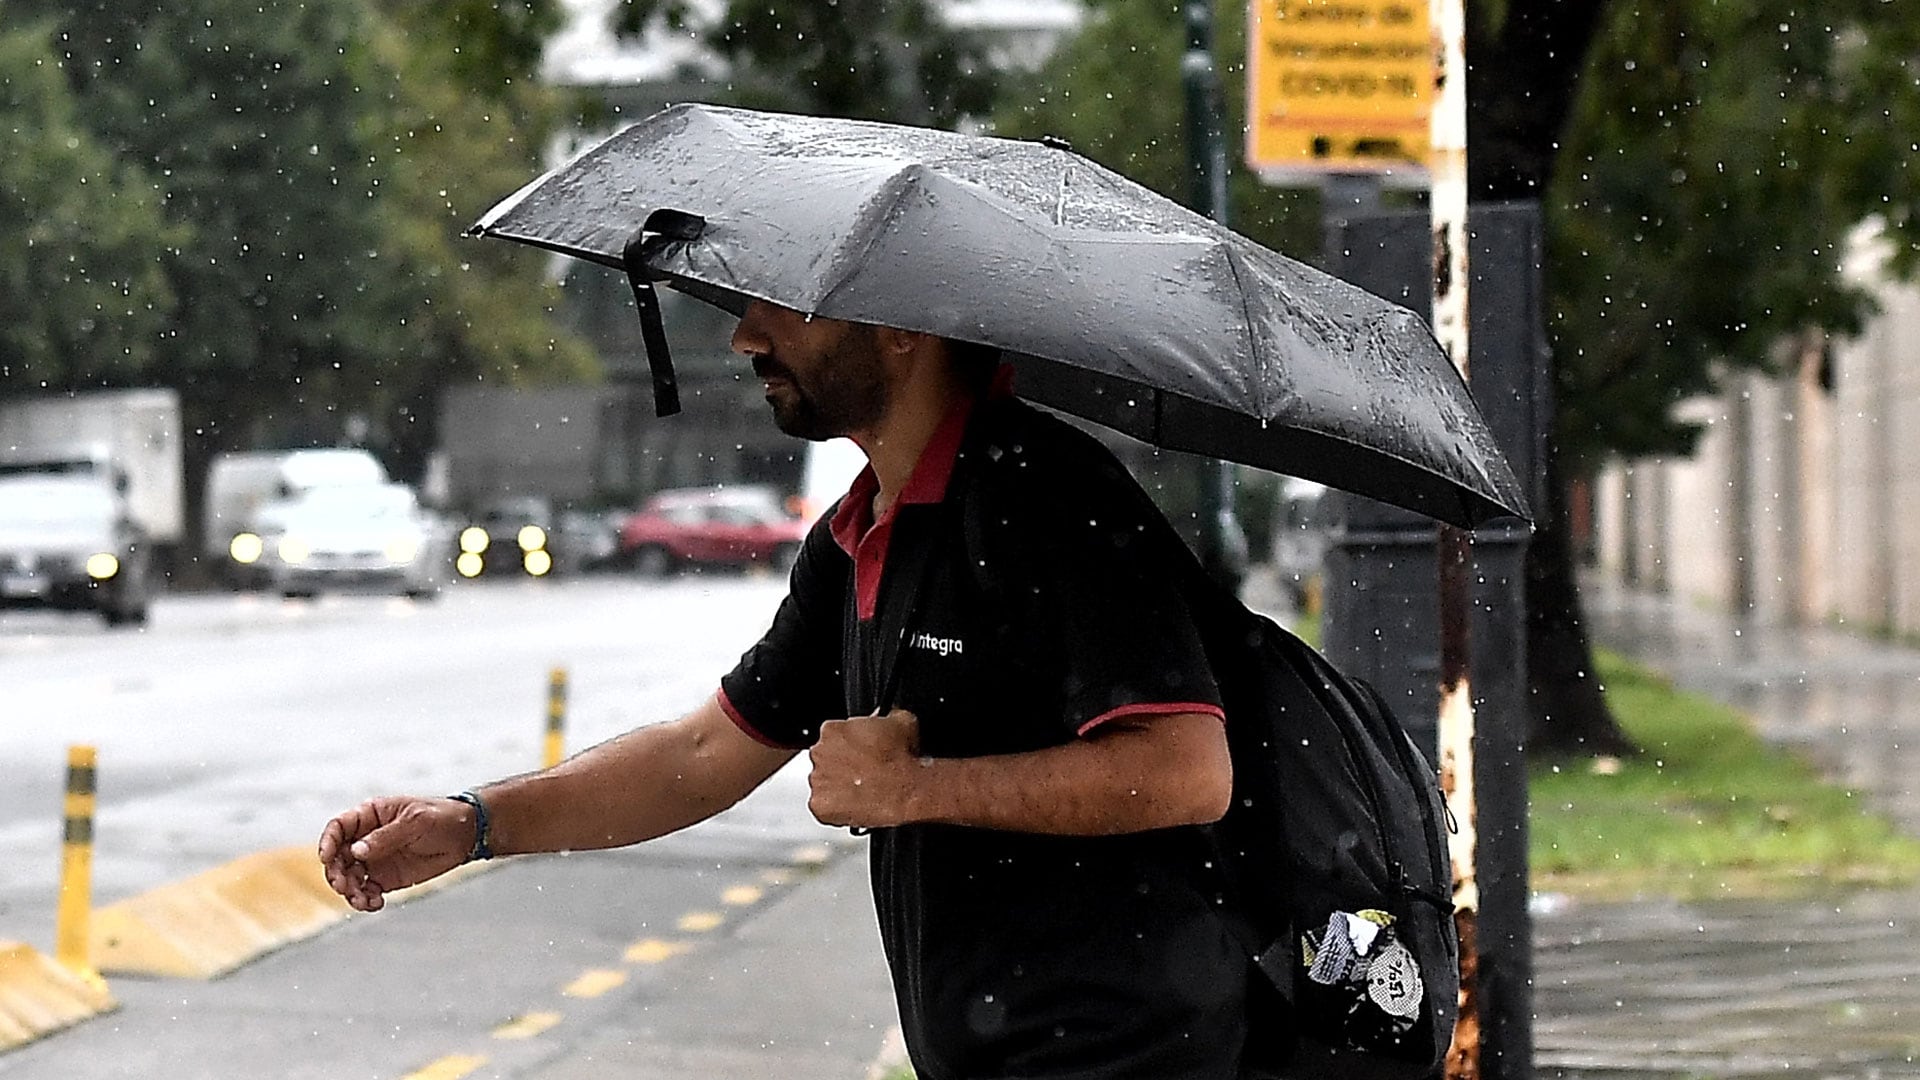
(594,983)
(775,877)
(654,950)
(699,922)
(526,1027)
(741,895)
(810,855)
(451,1067)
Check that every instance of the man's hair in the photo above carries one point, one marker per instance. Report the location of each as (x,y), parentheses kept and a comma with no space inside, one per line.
(974,363)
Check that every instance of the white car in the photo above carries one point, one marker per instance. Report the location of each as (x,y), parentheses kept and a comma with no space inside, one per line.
(66,543)
(370,537)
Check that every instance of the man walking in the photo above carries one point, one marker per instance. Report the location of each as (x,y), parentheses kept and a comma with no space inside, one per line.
(988,668)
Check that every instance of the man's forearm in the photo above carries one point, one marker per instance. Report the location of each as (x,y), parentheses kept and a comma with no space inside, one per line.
(1169,771)
(646,783)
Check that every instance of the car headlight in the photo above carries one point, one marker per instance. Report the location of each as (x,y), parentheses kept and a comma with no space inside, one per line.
(247,548)
(473,540)
(293,550)
(537,562)
(403,549)
(102,565)
(532,538)
(469,564)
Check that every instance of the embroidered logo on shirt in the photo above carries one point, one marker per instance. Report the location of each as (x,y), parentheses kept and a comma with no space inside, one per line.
(945,646)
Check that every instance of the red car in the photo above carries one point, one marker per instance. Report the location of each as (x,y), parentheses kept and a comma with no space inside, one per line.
(718,526)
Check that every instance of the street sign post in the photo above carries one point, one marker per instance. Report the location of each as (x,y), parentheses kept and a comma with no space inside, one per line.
(1340,86)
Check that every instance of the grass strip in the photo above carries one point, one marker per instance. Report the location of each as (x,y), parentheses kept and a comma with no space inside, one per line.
(1708,809)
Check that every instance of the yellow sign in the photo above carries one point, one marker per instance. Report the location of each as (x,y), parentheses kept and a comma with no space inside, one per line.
(1339,85)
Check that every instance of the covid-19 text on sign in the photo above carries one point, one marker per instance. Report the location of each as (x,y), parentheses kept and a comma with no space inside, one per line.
(1339,85)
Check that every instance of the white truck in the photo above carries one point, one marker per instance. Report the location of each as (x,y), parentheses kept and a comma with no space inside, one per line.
(135,434)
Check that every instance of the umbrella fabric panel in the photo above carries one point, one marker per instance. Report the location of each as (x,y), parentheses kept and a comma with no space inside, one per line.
(1390,385)
(1045,290)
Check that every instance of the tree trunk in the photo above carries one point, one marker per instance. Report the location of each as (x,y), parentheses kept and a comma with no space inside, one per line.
(1568,713)
(1525,62)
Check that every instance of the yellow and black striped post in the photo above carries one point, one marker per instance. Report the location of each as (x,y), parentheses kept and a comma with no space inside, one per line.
(73,943)
(556,717)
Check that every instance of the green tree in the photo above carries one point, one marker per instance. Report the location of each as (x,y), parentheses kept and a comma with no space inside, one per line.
(318,162)
(895,60)
(463,122)
(1698,190)
(252,120)
(82,301)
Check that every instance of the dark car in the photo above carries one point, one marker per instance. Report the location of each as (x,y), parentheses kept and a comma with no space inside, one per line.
(66,543)
(513,536)
(718,526)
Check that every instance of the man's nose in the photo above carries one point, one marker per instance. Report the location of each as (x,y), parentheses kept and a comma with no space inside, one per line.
(748,337)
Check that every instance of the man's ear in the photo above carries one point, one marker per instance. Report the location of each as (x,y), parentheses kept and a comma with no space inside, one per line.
(896,342)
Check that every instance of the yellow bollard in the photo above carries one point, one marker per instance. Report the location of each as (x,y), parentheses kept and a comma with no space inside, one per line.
(556,716)
(73,945)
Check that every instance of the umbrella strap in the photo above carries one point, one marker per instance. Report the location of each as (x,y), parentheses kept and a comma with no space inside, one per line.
(653,331)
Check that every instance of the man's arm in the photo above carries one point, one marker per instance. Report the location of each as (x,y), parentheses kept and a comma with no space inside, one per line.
(1131,774)
(646,783)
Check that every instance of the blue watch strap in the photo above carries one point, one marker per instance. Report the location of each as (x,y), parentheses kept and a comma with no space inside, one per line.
(482,827)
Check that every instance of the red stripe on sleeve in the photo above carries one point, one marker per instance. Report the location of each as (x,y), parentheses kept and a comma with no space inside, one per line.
(1155,709)
(751,732)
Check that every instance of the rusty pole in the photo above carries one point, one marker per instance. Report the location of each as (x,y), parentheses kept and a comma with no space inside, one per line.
(1448,203)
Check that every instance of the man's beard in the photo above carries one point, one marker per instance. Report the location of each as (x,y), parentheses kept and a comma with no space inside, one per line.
(845,392)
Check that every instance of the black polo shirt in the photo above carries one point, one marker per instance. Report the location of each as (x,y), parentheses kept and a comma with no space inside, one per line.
(1016,560)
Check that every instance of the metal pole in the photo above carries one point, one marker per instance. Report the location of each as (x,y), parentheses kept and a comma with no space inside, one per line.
(556,743)
(1223,544)
(1448,203)
(72,935)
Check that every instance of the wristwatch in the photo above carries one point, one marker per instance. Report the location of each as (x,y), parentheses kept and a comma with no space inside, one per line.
(482,828)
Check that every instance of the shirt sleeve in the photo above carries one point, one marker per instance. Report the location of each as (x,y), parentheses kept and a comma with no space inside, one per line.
(1105,604)
(789,682)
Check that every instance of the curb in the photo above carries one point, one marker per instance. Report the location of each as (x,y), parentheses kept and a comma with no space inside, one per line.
(39,997)
(207,925)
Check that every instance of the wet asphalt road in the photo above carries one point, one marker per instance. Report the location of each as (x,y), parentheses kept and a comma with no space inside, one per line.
(235,724)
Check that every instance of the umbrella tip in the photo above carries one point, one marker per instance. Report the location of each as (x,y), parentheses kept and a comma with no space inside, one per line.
(1056,142)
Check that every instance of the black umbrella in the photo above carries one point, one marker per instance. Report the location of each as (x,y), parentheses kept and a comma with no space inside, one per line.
(1114,303)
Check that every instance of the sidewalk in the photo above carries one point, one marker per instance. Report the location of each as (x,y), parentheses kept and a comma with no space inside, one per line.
(1827,988)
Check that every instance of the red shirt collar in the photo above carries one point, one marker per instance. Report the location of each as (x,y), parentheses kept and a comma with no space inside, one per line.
(928,481)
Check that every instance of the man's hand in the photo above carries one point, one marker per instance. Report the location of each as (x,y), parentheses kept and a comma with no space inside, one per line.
(392,842)
(865,770)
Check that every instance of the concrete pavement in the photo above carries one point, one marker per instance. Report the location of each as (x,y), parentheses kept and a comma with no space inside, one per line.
(677,959)
(1825,988)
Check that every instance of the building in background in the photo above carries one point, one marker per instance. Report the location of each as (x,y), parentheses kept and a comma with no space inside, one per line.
(1801,502)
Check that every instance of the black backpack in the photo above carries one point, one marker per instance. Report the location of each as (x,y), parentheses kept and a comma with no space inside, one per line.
(1335,845)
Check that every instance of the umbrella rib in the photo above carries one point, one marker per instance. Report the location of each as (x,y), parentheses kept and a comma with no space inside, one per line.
(898,183)
(1253,345)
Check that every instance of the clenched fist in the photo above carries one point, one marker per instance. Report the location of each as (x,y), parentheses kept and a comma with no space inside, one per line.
(865,770)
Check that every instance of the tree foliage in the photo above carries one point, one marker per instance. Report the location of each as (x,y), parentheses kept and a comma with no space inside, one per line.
(81,299)
(312,165)
(464,122)
(894,60)
(1716,163)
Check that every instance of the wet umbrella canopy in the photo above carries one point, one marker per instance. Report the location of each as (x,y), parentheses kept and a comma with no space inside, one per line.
(1114,303)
